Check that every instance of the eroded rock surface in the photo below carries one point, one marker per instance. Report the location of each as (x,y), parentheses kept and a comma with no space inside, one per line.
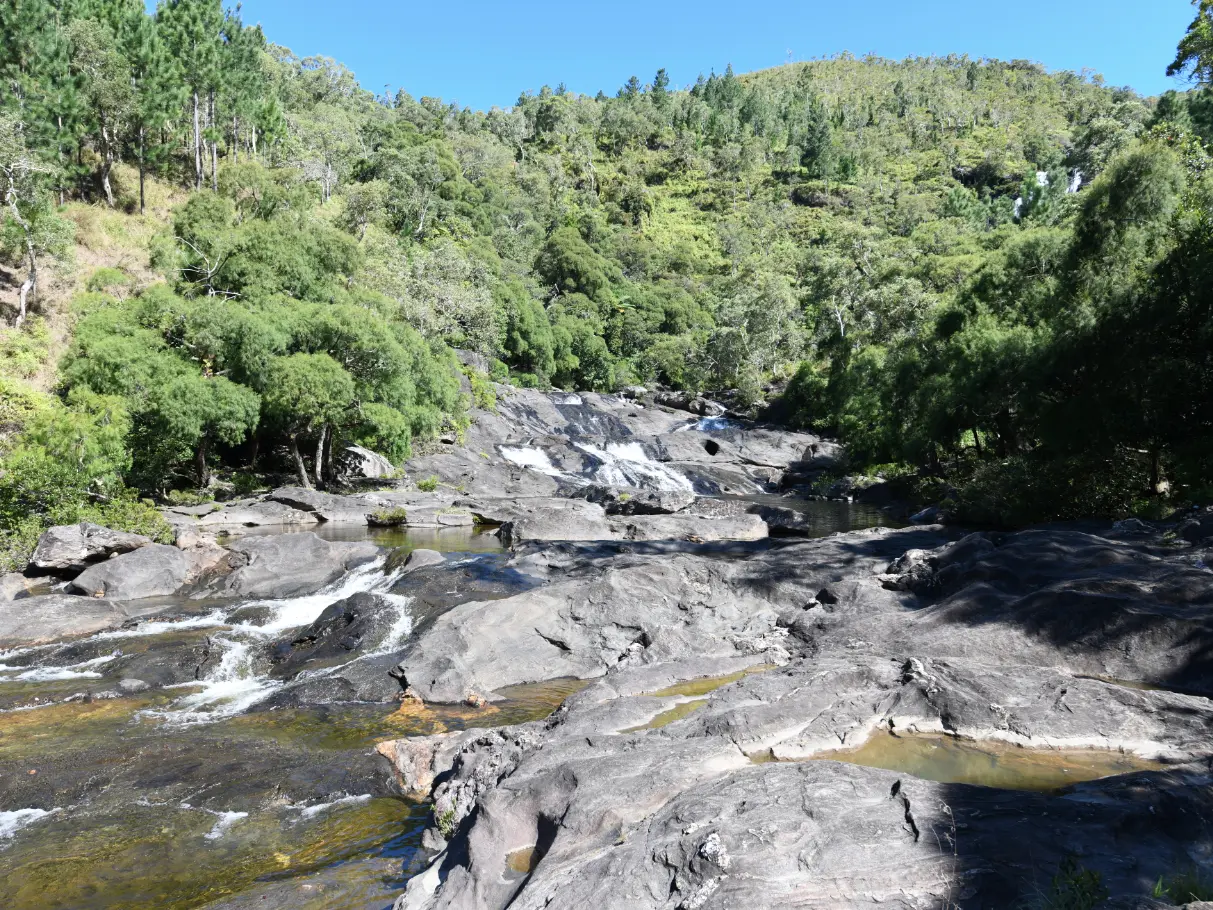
(643,793)
(69,549)
(287,565)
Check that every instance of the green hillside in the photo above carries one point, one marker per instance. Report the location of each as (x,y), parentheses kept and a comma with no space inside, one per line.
(248,262)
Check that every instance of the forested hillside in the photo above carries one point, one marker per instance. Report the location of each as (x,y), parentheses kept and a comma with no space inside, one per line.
(979,271)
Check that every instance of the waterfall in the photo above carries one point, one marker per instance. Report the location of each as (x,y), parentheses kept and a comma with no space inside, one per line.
(239,680)
(532,458)
(627,464)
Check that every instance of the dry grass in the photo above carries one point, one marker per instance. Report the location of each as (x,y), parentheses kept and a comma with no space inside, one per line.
(105,239)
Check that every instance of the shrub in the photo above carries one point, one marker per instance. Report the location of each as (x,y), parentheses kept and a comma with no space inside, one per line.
(1029,489)
(107,280)
(388,518)
(428,484)
(1185,888)
(1073,888)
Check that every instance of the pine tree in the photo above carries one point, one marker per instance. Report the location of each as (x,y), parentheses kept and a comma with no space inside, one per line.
(158,97)
(193,30)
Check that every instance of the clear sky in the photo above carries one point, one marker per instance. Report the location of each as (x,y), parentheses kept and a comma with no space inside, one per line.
(484,53)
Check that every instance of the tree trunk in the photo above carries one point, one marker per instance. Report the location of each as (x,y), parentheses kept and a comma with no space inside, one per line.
(299,465)
(142,167)
(59,155)
(1159,486)
(319,466)
(31,280)
(976,442)
(214,147)
(200,466)
(107,165)
(235,141)
(197,145)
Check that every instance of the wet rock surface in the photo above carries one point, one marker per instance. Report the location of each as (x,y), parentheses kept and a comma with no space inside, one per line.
(765,714)
(287,565)
(1058,655)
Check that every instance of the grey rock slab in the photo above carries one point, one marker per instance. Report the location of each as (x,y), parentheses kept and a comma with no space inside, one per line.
(256,515)
(818,834)
(69,549)
(555,519)
(689,527)
(51,617)
(678,816)
(14,585)
(659,602)
(1057,598)
(307,500)
(287,565)
(155,570)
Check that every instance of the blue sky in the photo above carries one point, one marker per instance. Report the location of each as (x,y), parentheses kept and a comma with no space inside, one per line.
(484,53)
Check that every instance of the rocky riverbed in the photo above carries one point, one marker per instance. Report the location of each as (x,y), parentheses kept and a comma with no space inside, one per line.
(613,656)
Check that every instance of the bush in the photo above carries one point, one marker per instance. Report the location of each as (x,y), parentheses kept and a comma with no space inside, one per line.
(108,280)
(23,351)
(1186,888)
(428,484)
(1073,888)
(388,518)
(1030,489)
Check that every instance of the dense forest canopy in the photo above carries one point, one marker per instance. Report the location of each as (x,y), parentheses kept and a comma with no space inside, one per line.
(977,270)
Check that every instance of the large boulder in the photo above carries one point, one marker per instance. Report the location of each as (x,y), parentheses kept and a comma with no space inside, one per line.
(152,571)
(257,515)
(360,462)
(554,519)
(70,549)
(357,624)
(287,565)
(685,401)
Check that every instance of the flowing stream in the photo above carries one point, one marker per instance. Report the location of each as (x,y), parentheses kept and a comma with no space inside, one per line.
(211,789)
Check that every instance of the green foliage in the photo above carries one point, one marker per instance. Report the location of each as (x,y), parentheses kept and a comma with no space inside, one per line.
(1185,888)
(107,280)
(1036,488)
(484,396)
(879,231)
(1073,888)
(446,823)
(427,484)
(388,518)
(64,466)
(23,351)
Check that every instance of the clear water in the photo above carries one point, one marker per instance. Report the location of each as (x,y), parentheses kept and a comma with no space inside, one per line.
(191,795)
(987,764)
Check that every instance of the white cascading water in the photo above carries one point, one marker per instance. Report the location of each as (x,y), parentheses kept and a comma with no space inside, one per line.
(313,811)
(235,684)
(12,822)
(85,670)
(627,464)
(532,458)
